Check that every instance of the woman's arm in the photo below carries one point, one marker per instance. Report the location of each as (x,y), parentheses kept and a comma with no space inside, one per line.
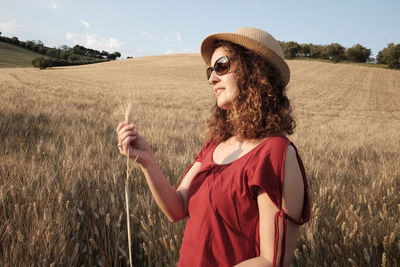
(293,197)
(172,203)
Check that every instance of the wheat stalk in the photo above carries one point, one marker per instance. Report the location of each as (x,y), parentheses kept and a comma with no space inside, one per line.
(128,224)
(128,112)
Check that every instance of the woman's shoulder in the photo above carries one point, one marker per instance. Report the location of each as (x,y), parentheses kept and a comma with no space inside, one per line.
(276,143)
(208,145)
(273,147)
(205,149)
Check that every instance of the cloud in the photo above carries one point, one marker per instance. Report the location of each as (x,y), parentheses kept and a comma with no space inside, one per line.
(94,41)
(172,37)
(85,23)
(98,42)
(113,43)
(178,37)
(186,50)
(72,37)
(190,50)
(55,5)
(148,36)
(8,26)
(108,7)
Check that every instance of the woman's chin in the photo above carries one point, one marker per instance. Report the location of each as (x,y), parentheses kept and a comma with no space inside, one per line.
(224,105)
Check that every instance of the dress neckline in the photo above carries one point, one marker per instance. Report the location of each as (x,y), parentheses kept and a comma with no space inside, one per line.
(251,151)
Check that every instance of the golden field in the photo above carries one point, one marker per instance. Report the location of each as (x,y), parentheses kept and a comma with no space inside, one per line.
(62,178)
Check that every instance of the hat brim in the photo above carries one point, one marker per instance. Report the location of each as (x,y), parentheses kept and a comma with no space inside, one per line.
(207,50)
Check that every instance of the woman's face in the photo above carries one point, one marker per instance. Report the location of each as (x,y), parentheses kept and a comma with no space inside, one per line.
(224,87)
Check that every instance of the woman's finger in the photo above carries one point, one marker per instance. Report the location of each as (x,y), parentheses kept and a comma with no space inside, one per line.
(120,125)
(125,128)
(126,143)
(125,134)
(123,138)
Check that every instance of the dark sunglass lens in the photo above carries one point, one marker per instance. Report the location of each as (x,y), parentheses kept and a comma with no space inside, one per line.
(221,67)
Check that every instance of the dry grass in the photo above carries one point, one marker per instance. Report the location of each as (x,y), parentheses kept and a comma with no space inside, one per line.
(62,178)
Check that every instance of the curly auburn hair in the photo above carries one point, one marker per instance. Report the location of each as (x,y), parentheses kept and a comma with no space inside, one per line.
(260,108)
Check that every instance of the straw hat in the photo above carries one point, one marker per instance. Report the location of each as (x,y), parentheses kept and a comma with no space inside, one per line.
(256,40)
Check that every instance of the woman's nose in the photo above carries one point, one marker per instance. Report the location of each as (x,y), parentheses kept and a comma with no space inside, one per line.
(213,78)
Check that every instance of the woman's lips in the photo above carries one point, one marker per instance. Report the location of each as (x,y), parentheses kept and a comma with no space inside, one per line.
(218,91)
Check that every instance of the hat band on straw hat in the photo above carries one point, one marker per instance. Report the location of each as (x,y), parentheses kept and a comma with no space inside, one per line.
(256,40)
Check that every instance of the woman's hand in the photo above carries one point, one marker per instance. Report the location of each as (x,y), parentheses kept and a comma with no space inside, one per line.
(129,140)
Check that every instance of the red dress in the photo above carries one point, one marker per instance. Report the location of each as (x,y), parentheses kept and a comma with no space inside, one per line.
(223,220)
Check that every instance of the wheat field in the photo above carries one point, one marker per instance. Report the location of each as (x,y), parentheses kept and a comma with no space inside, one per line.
(62,178)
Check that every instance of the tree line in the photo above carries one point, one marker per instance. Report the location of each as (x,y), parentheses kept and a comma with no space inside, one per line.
(77,55)
(63,55)
(336,53)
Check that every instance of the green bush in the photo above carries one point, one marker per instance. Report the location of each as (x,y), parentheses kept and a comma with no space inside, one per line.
(358,53)
(334,52)
(73,58)
(316,51)
(39,62)
(390,55)
(290,49)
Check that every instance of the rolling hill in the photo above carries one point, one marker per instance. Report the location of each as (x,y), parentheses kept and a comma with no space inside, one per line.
(12,56)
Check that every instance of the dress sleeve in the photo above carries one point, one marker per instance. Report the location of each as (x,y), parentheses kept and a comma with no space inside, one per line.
(202,153)
(267,170)
(267,173)
(197,158)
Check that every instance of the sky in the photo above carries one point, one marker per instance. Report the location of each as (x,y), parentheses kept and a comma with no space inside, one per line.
(144,28)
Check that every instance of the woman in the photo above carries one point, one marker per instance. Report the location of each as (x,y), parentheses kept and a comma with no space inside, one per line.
(246,192)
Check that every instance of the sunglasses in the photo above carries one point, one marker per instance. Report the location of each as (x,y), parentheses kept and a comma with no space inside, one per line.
(221,67)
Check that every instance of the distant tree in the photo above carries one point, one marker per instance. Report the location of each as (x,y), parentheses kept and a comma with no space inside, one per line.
(290,49)
(358,53)
(36,48)
(64,48)
(29,44)
(38,43)
(305,50)
(93,53)
(104,54)
(379,58)
(21,44)
(14,40)
(79,50)
(53,52)
(316,51)
(335,52)
(39,62)
(390,55)
(64,54)
(64,51)
(54,62)
(114,55)
(48,62)
(73,58)
(43,50)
